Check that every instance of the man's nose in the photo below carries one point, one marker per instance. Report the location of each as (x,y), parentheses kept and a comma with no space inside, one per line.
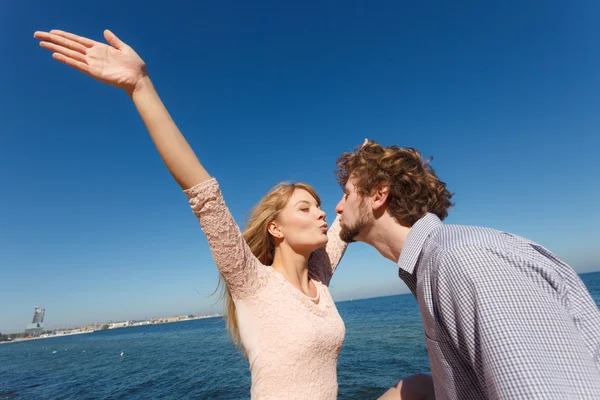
(339,208)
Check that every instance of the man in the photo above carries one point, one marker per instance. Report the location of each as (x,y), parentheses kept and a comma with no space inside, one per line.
(504,318)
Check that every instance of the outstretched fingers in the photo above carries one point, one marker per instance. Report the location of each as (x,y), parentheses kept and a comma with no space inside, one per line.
(81,66)
(67,48)
(64,51)
(61,41)
(75,38)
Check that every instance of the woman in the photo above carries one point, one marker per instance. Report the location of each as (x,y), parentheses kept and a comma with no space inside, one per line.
(277,273)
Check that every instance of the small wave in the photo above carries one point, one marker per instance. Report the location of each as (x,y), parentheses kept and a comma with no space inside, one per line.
(8,395)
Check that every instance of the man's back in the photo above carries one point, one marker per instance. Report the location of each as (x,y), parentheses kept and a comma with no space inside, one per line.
(504,318)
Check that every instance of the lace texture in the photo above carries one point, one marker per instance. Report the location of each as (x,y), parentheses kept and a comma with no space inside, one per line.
(324,261)
(292,341)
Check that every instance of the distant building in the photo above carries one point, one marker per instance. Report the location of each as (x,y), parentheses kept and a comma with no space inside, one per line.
(37,324)
(38,315)
(123,324)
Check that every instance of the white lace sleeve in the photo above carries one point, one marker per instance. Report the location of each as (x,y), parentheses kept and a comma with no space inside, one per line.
(240,268)
(324,261)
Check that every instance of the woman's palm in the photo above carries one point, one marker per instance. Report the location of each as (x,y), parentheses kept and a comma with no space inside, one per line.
(116,67)
(116,64)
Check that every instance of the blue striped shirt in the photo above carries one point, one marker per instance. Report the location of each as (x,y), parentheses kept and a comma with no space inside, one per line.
(503,317)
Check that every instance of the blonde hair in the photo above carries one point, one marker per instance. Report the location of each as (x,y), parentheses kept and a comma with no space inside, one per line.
(260,241)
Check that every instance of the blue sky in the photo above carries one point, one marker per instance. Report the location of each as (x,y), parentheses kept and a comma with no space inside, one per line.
(504,96)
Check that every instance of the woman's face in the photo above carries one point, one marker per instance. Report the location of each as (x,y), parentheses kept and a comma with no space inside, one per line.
(301,224)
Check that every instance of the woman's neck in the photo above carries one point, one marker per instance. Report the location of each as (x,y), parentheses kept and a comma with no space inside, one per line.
(294,267)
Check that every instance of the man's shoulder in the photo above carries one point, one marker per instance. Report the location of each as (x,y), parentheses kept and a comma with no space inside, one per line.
(457,238)
(462,249)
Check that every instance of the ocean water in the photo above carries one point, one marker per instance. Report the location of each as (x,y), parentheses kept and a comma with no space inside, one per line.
(194,359)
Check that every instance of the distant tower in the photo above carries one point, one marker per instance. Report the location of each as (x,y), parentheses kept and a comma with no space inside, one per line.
(37,324)
(38,315)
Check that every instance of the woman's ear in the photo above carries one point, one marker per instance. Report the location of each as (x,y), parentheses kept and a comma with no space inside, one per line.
(275,230)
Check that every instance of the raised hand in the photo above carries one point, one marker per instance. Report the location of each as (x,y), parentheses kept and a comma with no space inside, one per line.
(116,64)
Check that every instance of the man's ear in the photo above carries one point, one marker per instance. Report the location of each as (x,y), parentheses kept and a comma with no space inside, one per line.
(275,230)
(380,196)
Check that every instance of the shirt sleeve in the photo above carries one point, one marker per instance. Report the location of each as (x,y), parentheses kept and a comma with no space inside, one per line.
(232,256)
(325,260)
(509,329)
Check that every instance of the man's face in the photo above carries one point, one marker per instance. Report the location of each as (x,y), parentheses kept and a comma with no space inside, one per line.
(353,211)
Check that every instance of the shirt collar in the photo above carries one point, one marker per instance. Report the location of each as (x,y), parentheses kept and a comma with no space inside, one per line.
(415,240)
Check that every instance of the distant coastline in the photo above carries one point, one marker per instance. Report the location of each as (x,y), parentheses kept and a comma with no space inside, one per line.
(110,326)
(182,318)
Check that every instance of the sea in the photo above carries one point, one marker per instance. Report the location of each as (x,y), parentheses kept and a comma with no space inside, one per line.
(196,360)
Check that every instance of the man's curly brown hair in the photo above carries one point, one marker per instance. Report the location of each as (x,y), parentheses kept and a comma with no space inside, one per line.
(415,189)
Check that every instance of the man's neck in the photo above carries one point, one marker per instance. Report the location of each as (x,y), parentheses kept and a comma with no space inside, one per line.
(387,236)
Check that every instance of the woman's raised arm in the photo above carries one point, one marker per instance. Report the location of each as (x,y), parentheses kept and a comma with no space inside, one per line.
(118,65)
